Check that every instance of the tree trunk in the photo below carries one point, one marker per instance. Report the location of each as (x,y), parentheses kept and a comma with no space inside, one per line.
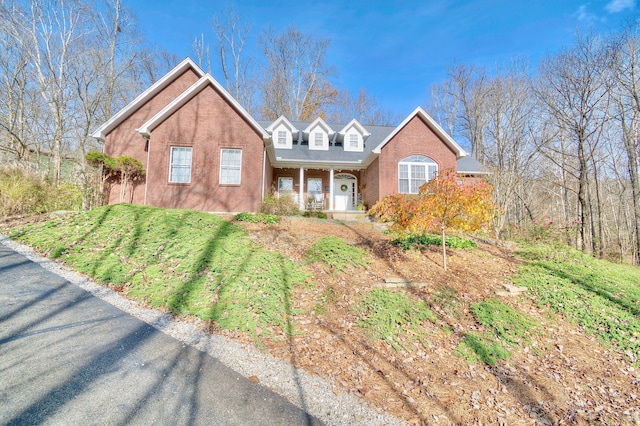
(632,163)
(582,196)
(444,250)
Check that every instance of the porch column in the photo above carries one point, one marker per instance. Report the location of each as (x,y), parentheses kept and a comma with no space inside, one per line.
(301,196)
(331,189)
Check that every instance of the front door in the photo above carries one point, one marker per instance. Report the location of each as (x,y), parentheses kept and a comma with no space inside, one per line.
(344,190)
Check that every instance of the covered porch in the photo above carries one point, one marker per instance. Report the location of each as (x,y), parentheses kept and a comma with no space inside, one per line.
(330,190)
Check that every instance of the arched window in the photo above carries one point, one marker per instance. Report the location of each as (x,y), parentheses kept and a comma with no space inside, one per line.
(414,171)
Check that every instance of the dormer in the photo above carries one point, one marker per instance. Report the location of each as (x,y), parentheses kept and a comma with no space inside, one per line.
(282,133)
(318,134)
(353,136)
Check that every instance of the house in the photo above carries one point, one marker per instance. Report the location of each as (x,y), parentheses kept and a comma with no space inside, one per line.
(202,150)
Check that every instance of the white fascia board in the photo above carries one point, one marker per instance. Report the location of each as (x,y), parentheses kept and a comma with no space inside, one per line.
(101,132)
(355,123)
(187,95)
(468,172)
(448,140)
(317,164)
(282,120)
(319,122)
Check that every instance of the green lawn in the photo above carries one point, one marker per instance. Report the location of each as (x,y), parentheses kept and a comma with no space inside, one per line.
(194,263)
(601,297)
(188,262)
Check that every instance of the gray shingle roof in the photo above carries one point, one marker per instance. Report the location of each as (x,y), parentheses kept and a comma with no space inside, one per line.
(300,152)
(469,165)
(336,152)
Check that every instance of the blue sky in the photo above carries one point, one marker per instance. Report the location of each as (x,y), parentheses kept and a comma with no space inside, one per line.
(396,50)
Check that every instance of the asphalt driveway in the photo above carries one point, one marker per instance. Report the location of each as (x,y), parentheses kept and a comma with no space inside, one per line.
(67,357)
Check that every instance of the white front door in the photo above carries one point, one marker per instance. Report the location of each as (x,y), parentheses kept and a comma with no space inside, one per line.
(344,189)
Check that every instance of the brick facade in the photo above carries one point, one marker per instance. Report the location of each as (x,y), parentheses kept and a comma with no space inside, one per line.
(196,112)
(416,138)
(125,140)
(207,123)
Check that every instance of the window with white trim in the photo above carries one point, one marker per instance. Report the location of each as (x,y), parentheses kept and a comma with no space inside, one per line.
(285,186)
(353,140)
(230,166)
(282,137)
(180,164)
(314,186)
(318,139)
(415,171)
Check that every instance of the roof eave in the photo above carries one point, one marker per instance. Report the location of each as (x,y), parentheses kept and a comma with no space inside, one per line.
(462,172)
(318,164)
(440,132)
(101,132)
(187,95)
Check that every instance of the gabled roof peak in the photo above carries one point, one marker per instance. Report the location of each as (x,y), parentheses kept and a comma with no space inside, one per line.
(281,120)
(355,124)
(319,122)
(101,132)
(206,80)
(439,131)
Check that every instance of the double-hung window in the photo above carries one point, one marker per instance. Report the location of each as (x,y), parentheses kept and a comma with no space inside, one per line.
(318,139)
(230,166)
(314,186)
(285,186)
(282,137)
(415,171)
(180,164)
(353,140)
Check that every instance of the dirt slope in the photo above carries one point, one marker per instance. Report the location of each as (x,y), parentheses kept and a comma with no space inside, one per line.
(564,377)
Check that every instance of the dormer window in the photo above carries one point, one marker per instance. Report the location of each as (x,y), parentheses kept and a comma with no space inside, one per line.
(282,132)
(353,135)
(282,137)
(318,134)
(353,141)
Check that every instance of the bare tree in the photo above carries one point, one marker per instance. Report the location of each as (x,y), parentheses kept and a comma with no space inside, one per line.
(468,86)
(509,148)
(296,79)
(232,32)
(48,31)
(626,111)
(15,96)
(202,52)
(573,86)
(364,107)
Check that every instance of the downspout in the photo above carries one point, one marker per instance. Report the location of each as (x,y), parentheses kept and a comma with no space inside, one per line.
(101,171)
(146,175)
(264,170)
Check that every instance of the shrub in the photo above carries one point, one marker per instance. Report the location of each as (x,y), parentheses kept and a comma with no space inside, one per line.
(269,219)
(319,215)
(25,192)
(415,240)
(280,206)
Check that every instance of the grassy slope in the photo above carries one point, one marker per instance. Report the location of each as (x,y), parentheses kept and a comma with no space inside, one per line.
(194,263)
(601,297)
(188,262)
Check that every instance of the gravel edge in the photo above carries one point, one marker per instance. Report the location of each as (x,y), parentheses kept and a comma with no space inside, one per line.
(311,393)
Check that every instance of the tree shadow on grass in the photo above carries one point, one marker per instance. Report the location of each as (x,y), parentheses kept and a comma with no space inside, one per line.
(287,296)
(590,287)
(520,388)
